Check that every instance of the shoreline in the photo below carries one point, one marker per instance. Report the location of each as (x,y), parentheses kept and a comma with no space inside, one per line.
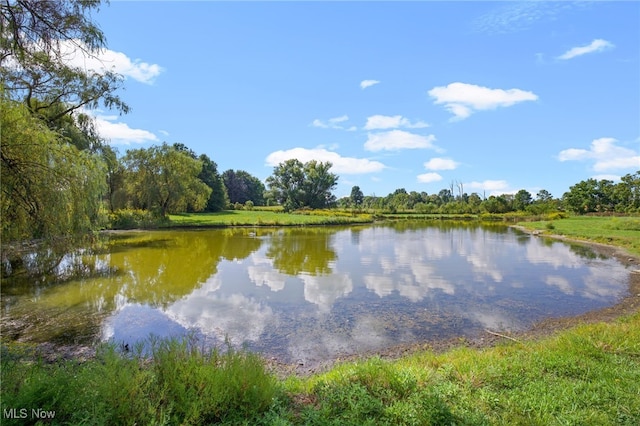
(627,305)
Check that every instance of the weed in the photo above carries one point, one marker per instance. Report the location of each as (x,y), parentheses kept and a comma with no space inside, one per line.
(179,384)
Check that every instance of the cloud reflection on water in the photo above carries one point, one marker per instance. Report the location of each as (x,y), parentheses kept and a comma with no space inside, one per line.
(315,293)
(421,268)
(236,317)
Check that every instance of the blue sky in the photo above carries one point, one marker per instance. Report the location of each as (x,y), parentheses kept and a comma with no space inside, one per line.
(498,96)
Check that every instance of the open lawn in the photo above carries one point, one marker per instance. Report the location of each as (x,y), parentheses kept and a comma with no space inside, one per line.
(618,231)
(264,217)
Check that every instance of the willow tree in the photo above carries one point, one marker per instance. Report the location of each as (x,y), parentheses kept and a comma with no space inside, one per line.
(50,188)
(164,180)
(50,184)
(38,41)
(219,199)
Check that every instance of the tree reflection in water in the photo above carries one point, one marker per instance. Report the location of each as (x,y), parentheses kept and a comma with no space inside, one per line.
(314,292)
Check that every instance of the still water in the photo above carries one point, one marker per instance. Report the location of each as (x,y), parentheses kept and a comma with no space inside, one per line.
(309,294)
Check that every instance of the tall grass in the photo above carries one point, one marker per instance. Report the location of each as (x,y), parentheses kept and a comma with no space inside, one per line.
(178,384)
(587,375)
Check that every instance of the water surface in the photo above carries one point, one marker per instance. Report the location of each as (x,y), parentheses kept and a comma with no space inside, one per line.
(309,294)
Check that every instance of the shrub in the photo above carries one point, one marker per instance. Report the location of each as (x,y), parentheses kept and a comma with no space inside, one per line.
(134,218)
(557,215)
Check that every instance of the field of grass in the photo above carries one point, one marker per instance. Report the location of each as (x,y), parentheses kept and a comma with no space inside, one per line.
(264,217)
(587,375)
(619,231)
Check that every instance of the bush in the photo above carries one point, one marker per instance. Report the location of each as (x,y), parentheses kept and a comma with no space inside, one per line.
(557,215)
(134,218)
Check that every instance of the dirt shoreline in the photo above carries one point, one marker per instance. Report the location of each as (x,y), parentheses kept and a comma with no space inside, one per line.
(628,305)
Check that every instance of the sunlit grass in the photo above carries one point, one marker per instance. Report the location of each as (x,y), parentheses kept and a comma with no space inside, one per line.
(178,384)
(586,375)
(263,217)
(619,231)
(589,375)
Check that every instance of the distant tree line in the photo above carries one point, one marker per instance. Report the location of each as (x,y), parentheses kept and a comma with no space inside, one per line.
(588,196)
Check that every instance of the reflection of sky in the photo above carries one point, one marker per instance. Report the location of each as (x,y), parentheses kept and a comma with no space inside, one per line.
(386,288)
(262,272)
(136,323)
(324,290)
(560,256)
(236,317)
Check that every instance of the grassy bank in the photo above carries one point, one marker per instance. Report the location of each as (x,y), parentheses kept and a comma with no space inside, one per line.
(587,375)
(266,218)
(275,216)
(618,231)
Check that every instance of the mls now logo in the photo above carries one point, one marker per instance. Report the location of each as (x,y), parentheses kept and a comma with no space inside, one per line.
(23,413)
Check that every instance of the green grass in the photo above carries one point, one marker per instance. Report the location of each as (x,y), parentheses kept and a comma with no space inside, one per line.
(619,231)
(180,384)
(266,218)
(587,375)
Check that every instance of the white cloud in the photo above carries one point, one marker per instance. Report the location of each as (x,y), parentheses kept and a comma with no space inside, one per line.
(341,165)
(462,99)
(120,133)
(618,163)
(597,45)
(607,156)
(436,164)
(441,164)
(368,83)
(606,177)
(429,177)
(397,139)
(333,123)
(392,122)
(109,60)
(495,186)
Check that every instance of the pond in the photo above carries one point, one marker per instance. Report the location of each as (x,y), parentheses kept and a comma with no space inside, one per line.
(308,294)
